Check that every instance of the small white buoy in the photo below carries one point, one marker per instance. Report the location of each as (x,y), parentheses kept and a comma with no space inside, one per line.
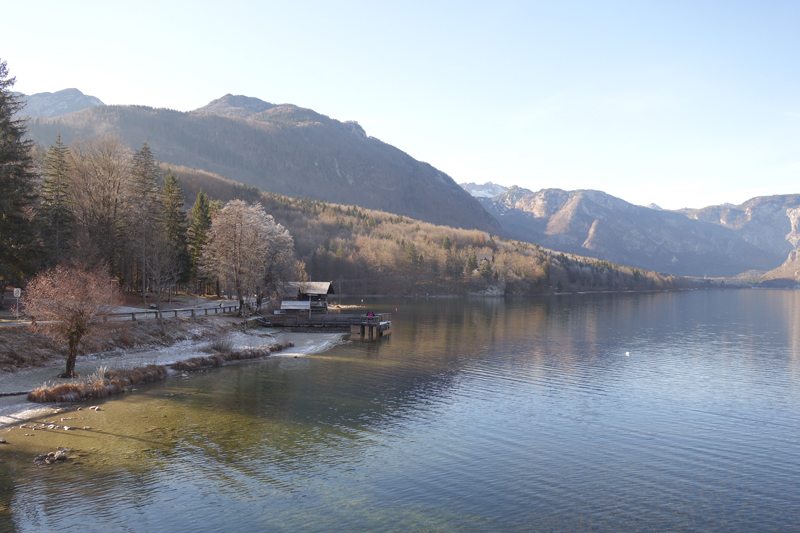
(627,354)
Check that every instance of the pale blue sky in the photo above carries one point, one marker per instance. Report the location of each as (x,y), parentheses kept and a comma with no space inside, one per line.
(684,104)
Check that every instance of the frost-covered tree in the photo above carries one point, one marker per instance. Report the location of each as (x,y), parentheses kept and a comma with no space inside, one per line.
(247,249)
(74,299)
(280,264)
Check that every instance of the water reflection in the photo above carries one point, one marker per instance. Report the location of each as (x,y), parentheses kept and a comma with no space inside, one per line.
(477,414)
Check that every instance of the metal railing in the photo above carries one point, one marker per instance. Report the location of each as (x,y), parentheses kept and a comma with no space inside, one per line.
(188,311)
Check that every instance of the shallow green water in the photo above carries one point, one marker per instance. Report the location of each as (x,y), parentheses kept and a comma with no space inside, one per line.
(477,415)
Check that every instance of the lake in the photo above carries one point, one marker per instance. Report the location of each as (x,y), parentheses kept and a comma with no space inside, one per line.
(615,412)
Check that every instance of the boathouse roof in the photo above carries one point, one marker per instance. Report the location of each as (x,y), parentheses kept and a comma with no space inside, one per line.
(311,288)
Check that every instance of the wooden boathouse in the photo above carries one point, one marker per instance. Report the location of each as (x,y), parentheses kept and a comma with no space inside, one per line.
(304,305)
(313,293)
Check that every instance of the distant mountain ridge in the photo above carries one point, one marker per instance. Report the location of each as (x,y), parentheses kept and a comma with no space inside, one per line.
(284,149)
(714,241)
(486,190)
(58,103)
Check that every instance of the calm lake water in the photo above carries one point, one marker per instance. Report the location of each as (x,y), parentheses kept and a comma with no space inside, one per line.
(476,415)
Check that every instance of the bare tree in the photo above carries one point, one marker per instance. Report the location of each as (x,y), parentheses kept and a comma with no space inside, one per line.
(164,268)
(98,173)
(74,299)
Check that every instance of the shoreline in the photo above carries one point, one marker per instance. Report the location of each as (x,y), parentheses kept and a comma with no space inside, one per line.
(17,409)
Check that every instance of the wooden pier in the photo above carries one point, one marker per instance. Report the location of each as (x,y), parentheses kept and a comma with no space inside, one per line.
(373,326)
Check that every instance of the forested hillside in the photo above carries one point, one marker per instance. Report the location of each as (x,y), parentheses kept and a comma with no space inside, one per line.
(374,252)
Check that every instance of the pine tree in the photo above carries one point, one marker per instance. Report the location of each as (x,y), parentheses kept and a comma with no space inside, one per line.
(486,271)
(55,214)
(175,224)
(410,258)
(19,249)
(198,232)
(472,262)
(145,196)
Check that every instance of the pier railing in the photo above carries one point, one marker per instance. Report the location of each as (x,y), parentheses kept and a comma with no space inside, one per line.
(321,321)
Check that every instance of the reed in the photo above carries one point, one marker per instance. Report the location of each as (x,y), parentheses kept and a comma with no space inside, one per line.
(101,384)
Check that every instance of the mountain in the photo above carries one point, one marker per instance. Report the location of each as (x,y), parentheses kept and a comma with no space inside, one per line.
(715,241)
(772,223)
(57,103)
(786,275)
(235,106)
(284,149)
(487,190)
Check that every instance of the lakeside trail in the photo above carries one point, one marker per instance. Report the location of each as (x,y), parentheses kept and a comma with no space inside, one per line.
(201,333)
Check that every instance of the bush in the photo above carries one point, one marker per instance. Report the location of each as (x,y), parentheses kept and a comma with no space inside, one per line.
(222,344)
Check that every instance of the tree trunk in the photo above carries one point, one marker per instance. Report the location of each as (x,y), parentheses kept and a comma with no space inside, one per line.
(72,355)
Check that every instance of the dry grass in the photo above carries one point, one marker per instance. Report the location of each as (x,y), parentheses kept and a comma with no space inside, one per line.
(101,384)
(219,359)
(106,382)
